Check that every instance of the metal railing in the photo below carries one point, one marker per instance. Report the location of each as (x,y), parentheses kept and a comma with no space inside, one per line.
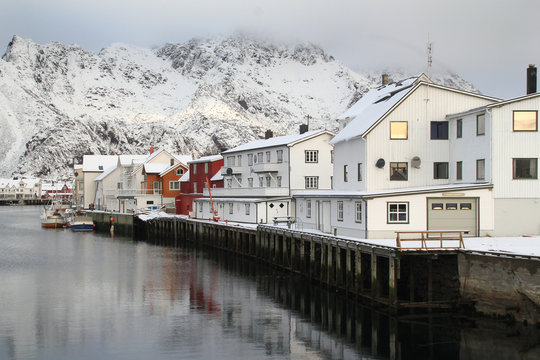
(430,239)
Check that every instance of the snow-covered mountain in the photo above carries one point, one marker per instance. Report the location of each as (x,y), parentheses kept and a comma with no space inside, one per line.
(59,102)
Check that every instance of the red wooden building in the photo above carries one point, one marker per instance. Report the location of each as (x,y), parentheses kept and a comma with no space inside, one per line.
(194,181)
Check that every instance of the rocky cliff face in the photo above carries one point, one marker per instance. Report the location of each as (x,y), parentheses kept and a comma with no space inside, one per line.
(59,102)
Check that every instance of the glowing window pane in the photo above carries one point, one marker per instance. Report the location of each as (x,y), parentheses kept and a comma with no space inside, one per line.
(398,130)
(525,121)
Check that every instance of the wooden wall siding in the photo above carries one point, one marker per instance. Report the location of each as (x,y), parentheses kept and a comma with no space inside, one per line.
(419,113)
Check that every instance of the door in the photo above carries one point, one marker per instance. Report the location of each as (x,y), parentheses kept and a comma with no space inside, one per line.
(155,186)
(453,214)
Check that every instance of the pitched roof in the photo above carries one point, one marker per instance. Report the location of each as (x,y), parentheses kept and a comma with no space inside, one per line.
(98,163)
(205,159)
(185,177)
(275,141)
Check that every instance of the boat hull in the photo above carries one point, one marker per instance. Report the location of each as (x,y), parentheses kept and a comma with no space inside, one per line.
(82,227)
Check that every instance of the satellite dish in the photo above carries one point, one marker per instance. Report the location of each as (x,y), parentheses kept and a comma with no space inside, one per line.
(415,162)
(229,171)
(380,163)
(76,174)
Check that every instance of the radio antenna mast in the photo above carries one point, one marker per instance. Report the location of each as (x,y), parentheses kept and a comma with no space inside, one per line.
(429,58)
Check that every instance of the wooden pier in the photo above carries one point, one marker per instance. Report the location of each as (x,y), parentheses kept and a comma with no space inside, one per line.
(380,274)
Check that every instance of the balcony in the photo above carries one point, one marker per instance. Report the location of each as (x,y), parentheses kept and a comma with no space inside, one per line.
(234,169)
(267,167)
(131,193)
(248,192)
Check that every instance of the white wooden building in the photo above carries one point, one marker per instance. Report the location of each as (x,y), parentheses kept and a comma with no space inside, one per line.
(392,167)
(260,177)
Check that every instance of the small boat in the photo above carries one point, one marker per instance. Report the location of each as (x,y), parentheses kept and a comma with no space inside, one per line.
(81,222)
(52,215)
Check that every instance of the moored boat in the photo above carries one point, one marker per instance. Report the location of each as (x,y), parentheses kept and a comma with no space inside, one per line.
(81,223)
(52,215)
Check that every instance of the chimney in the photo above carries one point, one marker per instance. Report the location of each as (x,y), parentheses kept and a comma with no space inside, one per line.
(303,128)
(151,150)
(385,79)
(531,79)
(268,134)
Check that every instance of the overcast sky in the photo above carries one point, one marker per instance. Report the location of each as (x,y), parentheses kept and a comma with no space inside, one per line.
(487,42)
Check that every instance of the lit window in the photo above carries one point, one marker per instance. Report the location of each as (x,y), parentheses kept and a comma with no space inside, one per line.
(312,182)
(439,130)
(312,156)
(525,168)
(480,124)
(398,213)
(525,121)
(440,170)
(437,206)
(451,206)
(398,130)
(480,169)
(340,210)
(465,206)
(398,171)
(358,212)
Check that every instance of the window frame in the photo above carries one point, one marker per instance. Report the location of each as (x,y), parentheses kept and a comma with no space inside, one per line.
(524,111)
(483,117)
(345,173)
(340,210)
(388,213)
(437,125)
(174,185)
(396,164)
(311,156)
(459,128)
(248,208)
(459,170)
(436,175)
(406,130)
(357,212)
(311,182)
(478,162)
(359,171)
(535,177)
(308,208)
(279,156)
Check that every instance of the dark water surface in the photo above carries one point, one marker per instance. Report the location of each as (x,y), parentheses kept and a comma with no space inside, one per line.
(67,295)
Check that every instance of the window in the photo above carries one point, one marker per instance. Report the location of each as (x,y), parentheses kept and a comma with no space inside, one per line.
(398,130)
(259,158)
(239,180)
(340,210)
(230,208)
(268,181)
(179,171)
(172,162)
(439,130)
(459,170)
(525,120)
(268,156)
(459,128)
(437,206)
(398,171)
(119,186)
(312,182)
(331,156)
(480,124)
(248,208)
(261,181)
(230,160)
(239,158)
(451,206)
(280,156)
(525,168)
(308,208)
(358,212)
(250,159)
(194,169)
(480,169)
(206,168)
(279,181)
(398,213)
(345,173)
(440,170)
(81,186)
(250,182)
(100,167)
(229,183)
(174,185)
(312,156)
(465,206)
(359,172)
(200,207)
(195,188)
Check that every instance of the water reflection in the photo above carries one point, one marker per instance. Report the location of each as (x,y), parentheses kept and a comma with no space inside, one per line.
(88,296)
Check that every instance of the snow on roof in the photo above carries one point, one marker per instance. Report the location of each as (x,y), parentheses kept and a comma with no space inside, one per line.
(371,107)
(106,172)
(185,177)
(184,159)
(217,177)
(97,163)
(155,168)
(274,141)
(171,167)
(30,183)
(204,159)
(126,160)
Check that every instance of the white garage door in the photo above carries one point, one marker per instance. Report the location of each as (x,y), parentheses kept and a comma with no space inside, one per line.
(453,214)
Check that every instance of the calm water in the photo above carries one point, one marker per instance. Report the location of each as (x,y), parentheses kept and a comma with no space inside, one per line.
(67,295)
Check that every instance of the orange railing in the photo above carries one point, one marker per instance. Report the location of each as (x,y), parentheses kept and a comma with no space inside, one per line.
(430,239)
